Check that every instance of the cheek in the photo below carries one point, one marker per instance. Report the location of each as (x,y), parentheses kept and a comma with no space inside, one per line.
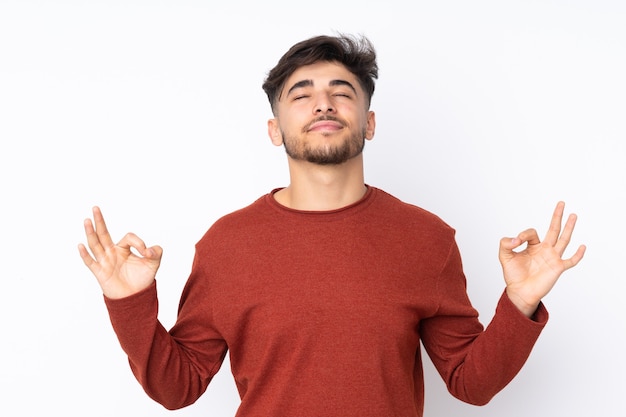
(294,122)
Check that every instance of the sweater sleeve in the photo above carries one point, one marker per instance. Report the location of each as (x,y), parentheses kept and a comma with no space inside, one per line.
(173,368)
(477,363)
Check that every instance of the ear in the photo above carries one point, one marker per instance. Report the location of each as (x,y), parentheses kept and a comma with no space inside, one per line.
(273,130)
(370,128)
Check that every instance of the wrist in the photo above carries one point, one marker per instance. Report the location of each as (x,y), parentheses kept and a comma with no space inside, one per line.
(528,308)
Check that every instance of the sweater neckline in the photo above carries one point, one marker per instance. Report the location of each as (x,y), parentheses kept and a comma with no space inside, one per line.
(341,212)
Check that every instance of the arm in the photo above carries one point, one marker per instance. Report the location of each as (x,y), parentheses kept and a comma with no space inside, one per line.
(530,274)
(477,364)
(173,370)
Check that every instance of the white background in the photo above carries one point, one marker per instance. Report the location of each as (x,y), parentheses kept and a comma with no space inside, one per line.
(488,113)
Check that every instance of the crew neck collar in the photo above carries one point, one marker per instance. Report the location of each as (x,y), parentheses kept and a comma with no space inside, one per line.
(357,206)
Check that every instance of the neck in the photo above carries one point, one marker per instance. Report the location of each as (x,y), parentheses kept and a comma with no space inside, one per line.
(323,187)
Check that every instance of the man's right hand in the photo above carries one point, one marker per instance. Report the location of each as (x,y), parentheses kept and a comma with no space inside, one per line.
(119,271)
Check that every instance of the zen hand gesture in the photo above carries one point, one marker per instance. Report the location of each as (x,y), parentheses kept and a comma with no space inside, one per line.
(531,273)
(119,271)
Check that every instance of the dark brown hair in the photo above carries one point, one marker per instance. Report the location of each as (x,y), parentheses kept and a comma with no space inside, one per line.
(356,54)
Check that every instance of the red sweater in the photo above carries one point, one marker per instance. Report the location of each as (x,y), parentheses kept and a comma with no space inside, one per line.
(323,313)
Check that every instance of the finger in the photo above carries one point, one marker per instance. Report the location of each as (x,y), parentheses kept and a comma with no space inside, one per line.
(132,241)
(508,244)
(566,235)
(530,236)
(86,257)
(101,228)
(573,261)
(555,224)
(93,241)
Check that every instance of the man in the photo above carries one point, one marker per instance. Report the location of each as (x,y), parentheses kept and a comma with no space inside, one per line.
(322,291)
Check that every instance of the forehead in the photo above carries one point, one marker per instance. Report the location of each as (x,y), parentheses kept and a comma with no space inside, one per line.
(321,74)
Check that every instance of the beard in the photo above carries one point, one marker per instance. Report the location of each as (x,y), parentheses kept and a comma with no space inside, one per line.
(325,154)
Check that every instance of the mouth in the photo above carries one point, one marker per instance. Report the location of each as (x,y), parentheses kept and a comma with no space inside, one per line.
(324,125)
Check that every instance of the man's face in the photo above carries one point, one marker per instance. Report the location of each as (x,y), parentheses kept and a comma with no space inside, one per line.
(322,115)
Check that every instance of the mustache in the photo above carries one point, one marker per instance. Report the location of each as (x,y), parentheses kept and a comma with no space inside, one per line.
(323,118)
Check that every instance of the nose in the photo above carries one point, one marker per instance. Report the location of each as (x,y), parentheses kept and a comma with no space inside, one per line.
(324,105)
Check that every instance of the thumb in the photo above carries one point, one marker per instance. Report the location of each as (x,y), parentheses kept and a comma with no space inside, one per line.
(510,243)
(154,253)
(507,244)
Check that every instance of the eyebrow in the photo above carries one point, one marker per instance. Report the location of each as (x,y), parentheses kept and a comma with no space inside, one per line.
(309,83)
